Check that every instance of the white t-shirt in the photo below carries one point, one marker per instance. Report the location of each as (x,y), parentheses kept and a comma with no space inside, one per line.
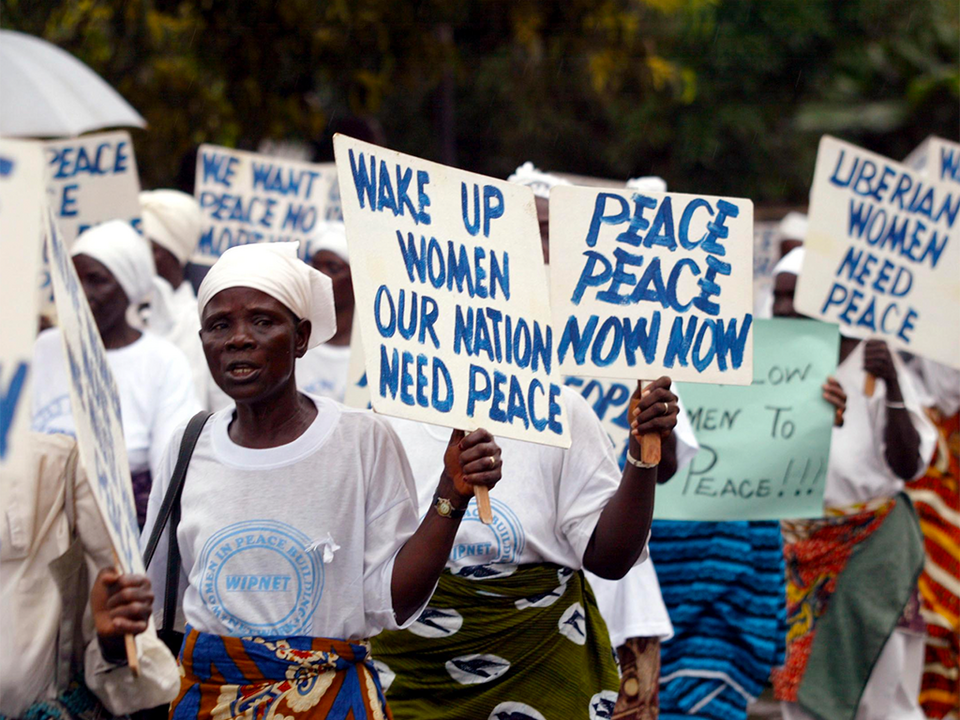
(293,540)
(857,471)
(937,385)
(633,606)
(546,506)
(323,371)
(154,383)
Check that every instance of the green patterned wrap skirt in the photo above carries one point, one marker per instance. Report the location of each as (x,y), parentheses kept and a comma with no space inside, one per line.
(502,643)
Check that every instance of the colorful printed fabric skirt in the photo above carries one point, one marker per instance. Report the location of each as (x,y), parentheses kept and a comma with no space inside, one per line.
(850,579)
(525,643)
(282,678)
(722,583)
(936,497)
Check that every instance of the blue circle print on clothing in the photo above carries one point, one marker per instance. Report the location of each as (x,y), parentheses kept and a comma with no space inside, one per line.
(261,577)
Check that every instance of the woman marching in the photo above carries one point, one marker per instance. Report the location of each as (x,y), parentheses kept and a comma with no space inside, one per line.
(298,534)
(513,631)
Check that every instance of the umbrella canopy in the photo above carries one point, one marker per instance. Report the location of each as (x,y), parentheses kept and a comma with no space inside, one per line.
(47,92)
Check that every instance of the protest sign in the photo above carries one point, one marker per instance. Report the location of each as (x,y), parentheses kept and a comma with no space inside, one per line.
(452,336)
(937,158)
(764,448)
(92,179)
(21,203)
(95,405)
(331,210)
(249,198)
(646,284)
(766,253)
(882,256)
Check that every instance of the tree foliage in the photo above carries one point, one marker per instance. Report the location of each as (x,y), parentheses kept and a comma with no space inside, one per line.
(721,96)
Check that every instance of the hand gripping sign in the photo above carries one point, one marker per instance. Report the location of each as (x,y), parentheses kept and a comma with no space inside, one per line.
(882,255)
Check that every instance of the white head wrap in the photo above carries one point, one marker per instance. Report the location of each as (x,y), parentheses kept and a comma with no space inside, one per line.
(648,183)
(171,219)
(793,226)
(275,269)
(790,263)
(537,180)
(330,236)
(118,247)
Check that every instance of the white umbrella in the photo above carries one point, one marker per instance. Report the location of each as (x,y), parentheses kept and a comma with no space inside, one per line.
(47,92)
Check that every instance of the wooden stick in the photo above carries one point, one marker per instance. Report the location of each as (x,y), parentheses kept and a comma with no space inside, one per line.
(482,494)
(870,384)
(649,442)
(129,642)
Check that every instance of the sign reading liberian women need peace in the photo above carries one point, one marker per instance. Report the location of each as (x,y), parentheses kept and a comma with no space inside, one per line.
(764,448)
(882,254)
(249,198)
(647,284)
(95,405)
(451,295)
(21,203)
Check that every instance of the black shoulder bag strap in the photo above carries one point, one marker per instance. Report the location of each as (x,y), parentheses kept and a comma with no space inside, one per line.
(170,512)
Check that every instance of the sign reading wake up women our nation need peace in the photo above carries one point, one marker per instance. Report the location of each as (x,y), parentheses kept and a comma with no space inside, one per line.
(249,198)
(451,295)
(647,284)
(882,254)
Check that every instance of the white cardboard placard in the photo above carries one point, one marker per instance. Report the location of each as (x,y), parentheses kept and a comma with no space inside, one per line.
(451,295)
(21,203)
(937,157)
(647,284)
(249,198)
(882,254)
(358,390)
(95,405)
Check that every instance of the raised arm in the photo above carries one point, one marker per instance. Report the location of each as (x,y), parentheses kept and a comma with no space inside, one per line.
(621,532)
(900,437)
(469,460)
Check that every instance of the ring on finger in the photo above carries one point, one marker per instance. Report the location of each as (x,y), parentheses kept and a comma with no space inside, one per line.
(492,459)
(666,409)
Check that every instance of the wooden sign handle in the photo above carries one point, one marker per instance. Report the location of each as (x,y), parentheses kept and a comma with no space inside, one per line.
(129,642)
(870,384)
(649,442)
(482,494)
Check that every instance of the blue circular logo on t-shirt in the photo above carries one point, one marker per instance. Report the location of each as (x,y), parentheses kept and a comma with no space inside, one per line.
(261,577)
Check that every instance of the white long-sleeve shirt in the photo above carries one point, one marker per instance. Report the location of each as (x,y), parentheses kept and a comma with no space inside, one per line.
(35,530)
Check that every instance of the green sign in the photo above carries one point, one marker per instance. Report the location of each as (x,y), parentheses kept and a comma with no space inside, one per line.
(764,447)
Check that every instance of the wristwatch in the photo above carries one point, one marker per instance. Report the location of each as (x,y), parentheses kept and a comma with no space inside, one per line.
(445,508)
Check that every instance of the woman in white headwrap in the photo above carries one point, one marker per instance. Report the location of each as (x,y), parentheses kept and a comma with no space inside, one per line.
(324,369)
(299,535)
(172,225)
(152,376)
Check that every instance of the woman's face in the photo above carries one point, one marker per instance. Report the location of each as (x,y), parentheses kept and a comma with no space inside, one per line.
(108,301)
(784,288)
(251,342)
(338,270)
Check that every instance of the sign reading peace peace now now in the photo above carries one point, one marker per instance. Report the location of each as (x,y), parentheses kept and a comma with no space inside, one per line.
(451,295)
(647,284)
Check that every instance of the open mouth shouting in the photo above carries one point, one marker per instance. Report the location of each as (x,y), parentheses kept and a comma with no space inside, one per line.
(242,371)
